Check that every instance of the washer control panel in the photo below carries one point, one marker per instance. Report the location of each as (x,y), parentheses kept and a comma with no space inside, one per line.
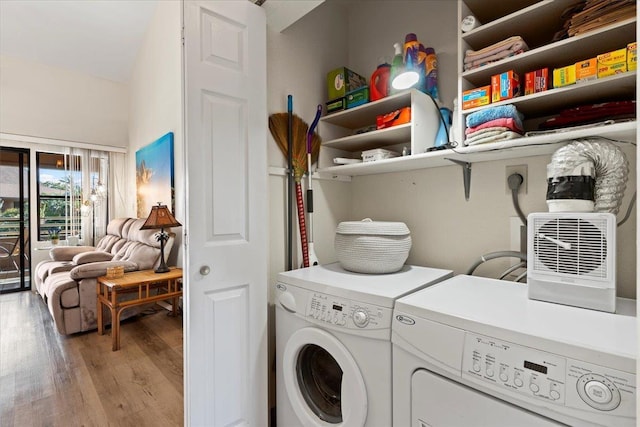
(346,313)
(514,368)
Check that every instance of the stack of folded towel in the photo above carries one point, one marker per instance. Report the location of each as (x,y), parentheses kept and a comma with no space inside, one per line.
(497,51)
(493,124)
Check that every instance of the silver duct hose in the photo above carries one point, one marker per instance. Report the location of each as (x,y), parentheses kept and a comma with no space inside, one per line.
(600,157)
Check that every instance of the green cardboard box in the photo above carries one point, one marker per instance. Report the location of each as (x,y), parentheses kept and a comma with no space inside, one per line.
(336,105)
(343,80)
(357,97)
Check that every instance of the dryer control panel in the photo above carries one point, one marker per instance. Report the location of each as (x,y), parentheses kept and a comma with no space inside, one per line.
(540,375)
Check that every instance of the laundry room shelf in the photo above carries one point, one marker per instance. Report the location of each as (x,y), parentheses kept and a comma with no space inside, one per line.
(517,148)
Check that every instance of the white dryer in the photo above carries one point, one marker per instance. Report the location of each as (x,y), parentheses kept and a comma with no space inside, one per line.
(333,344)
(472,351)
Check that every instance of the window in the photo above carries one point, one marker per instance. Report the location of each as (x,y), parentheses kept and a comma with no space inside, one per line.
(71,194)
(59,193)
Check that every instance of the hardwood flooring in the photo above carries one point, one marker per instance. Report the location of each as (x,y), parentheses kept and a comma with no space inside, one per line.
(47,379)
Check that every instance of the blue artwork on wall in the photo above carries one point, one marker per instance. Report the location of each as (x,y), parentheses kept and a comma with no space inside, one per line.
(154,175)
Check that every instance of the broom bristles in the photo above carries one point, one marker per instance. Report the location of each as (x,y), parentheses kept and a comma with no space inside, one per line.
(278,125)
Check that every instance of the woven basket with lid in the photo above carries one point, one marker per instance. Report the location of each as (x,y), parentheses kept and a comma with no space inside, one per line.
(372,247)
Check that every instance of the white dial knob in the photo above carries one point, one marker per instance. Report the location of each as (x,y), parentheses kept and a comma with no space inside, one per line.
(554,394)
(534,387)
(360,318)
(598,392)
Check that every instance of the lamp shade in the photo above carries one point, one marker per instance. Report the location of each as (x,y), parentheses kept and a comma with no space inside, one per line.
(160,217)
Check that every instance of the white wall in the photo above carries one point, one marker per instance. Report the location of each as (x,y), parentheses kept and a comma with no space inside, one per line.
(51,102)
(155,103)
(297,62)
(374,27)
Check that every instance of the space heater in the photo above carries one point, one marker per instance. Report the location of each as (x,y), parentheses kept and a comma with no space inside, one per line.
(571,259)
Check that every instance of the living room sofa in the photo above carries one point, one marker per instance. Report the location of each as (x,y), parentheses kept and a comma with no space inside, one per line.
(67,282)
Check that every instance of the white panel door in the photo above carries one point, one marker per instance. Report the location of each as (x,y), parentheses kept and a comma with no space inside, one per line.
(226,245)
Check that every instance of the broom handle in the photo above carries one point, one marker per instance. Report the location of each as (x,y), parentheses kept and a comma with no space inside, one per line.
(290,183)
(302,225)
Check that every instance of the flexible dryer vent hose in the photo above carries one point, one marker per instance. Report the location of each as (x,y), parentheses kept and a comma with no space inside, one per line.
(609,163)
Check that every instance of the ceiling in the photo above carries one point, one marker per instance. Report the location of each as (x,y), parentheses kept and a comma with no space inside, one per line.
(97,37)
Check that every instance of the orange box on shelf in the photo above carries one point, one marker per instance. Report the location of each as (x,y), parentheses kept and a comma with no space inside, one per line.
(587,70)
(393,118)
(505,86)
(536,81)
(476,97)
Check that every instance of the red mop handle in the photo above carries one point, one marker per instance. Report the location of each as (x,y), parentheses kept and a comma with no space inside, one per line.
(302,225)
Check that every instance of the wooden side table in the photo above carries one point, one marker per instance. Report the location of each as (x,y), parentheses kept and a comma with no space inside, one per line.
(167,286)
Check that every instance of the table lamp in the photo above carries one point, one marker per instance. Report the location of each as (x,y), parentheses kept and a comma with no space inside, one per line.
(160,217)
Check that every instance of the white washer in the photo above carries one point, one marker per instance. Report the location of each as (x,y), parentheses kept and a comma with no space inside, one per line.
(333,344)
(475,351)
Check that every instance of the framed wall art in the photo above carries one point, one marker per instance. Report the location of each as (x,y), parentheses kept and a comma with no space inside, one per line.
(154,175)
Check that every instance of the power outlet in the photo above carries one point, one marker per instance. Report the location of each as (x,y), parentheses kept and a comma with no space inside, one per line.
(522,170)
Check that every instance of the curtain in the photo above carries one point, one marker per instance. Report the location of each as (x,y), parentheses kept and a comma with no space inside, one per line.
(87,208)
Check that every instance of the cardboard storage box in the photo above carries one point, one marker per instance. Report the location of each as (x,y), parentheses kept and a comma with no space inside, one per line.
(536,81)
(564,76)
(476,97)
(505,86)
(610,70)
(336,105)
(613,62)
(357,97)
(343,80)
(632,56)
(587,70)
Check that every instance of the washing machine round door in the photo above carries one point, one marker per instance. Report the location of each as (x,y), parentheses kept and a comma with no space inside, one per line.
(323,381)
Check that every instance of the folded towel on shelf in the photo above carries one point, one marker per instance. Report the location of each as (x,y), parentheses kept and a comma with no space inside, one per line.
(507,122)
(484,133)
(493,58)
(492,113)
(501,136)
(511,44)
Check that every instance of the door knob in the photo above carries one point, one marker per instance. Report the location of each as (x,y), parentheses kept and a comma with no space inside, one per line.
(204,270)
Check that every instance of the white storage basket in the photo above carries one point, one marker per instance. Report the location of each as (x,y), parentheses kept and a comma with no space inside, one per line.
(372,247)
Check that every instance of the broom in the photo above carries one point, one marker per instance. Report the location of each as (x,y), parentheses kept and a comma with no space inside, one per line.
(278,124)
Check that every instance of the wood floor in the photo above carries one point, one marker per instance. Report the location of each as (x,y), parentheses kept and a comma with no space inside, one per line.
(47,379)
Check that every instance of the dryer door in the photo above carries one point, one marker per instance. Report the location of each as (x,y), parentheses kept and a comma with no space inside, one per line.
(438,401)
(323,381)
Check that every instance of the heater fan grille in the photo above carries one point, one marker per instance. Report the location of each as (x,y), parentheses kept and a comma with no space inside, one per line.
(571,246)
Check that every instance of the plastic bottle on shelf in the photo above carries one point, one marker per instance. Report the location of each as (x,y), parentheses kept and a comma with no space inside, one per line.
(410,50)
(444,128)
(397,65)
(431,73)
(379,82)
(454,135)
(422,68)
